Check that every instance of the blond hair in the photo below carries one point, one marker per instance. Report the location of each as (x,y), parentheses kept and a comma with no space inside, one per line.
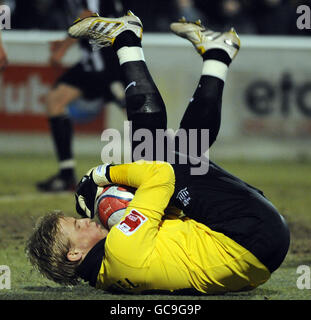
(47,251)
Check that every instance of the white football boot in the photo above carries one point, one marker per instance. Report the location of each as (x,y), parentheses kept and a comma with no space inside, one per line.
(204,39)
(102,31)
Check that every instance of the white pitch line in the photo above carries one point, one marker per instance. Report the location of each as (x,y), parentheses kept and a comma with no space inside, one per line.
(33,196)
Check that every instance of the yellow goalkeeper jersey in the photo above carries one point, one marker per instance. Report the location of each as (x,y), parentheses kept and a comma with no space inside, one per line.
(146,252)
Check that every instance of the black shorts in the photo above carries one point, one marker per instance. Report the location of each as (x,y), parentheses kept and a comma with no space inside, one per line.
(228,205)
(92,84)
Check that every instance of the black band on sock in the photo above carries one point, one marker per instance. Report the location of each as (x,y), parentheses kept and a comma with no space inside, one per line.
(126,39)
(217,54)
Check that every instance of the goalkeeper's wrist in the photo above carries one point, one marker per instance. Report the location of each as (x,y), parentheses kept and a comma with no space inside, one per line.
(101,174)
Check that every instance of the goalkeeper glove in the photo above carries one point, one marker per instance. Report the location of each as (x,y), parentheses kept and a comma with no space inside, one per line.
(88,190)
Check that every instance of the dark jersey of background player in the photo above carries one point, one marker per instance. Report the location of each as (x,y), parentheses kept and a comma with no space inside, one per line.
(99,60)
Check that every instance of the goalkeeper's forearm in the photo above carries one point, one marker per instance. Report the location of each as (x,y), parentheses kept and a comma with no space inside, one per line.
(154,182)
(133,174)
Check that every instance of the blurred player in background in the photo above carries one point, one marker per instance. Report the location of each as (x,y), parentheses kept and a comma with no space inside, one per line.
(232,237)
(91,78)
(3,56)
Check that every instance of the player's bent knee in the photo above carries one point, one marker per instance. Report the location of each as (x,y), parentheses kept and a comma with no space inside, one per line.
(58,99)
(55,107)
(149,103)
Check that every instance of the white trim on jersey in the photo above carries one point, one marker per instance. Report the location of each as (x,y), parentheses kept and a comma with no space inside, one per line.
(93,5)
(98,62)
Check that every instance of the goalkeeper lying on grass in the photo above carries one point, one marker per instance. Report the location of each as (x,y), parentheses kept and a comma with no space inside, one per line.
(232,237)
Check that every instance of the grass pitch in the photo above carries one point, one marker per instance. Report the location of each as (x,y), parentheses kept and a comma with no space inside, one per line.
(285,183)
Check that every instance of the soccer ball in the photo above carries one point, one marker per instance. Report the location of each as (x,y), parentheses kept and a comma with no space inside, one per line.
(112,203)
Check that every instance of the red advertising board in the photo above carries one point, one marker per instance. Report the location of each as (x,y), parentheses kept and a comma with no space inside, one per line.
(22,89)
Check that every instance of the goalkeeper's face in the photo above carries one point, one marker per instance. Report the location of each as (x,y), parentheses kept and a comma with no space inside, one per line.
(82,234)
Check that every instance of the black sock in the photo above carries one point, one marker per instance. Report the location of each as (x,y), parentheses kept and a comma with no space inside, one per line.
(145,106)
(62,132)
(126,39)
